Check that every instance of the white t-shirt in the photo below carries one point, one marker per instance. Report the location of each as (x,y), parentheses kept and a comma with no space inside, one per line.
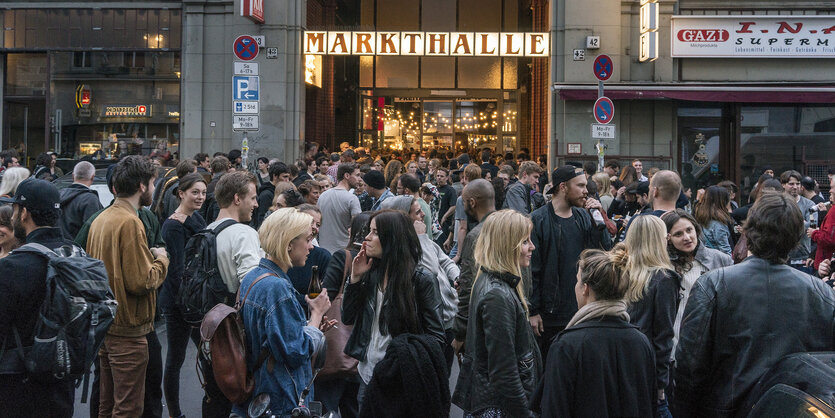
(376,346)
(238,252)
(338,206)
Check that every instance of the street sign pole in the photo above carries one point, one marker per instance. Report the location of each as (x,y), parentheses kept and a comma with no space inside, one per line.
(600,148)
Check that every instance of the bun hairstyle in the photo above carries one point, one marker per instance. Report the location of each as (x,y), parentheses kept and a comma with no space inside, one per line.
(605,272)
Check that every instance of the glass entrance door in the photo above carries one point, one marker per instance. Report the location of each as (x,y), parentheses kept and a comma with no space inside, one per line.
(25,128)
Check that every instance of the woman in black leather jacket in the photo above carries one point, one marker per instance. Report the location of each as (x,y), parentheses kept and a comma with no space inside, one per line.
(387,294)
(502,363)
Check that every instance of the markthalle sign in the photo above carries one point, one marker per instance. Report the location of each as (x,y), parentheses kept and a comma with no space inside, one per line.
(456,44)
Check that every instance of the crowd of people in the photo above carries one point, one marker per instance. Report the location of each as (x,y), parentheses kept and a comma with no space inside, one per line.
(564,293)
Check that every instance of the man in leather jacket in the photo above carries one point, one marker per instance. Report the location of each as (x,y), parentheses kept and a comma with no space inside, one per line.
(740,320)
(562,229)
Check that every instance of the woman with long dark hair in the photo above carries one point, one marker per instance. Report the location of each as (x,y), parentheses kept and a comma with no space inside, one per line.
(712,214)
(8,240)
(176,231)
(387,294)
(689,257)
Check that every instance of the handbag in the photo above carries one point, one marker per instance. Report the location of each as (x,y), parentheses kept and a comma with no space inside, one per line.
(740,251)
(337,363)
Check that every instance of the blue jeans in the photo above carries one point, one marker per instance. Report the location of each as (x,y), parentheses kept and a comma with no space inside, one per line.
(179,333)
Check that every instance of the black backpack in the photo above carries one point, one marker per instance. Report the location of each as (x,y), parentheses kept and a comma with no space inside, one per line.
(77,310)
(202,287)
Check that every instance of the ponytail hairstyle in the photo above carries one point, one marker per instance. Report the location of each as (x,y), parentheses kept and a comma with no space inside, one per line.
(500,244)
(646,249)
(399,261)
(605,273)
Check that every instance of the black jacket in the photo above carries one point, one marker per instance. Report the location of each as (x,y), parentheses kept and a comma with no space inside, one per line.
(502,364)
(78,203)
(738,322)
(654,315)
(546,297)
(358,309)
(599,368)
(410,381)
(176,236)
(23,287)
(265,200)
(301,178)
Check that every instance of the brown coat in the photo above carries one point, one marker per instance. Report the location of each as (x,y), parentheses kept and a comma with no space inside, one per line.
(117,237)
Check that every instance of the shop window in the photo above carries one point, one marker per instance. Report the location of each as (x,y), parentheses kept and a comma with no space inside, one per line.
(800,138)
(438,125)
(479,121)
(699,133)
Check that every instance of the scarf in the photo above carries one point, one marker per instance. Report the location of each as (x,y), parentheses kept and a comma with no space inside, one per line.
(598,308)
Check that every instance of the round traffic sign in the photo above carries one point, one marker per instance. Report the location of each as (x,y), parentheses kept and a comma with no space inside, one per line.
(603,67)
(245,48)
(604,110)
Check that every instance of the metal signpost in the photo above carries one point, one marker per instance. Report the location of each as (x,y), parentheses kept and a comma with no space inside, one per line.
(604,108)
(246,89)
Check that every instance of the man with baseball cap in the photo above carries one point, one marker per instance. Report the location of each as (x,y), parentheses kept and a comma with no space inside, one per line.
(562,229)
(36,206)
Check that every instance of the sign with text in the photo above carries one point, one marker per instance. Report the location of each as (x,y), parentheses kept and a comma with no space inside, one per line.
(600,131)
(245,107)
(459,44)
(128,111)
(245,122)
(246,68)
(753,36)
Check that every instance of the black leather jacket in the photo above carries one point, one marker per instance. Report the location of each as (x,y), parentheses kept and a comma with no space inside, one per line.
(502,364)
(738,322)
(358,309)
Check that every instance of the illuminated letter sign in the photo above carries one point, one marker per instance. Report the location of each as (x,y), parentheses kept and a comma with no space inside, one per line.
(339,43)
(388,43)
(411,43)
(314,42)
(437,43)
(253,9)
(462,43)
(459,44)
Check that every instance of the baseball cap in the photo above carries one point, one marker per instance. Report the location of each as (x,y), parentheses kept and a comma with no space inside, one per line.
(643,187)
(36,194)
(564,174)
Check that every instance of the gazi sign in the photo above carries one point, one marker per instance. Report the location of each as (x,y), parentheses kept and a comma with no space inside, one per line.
(456,44)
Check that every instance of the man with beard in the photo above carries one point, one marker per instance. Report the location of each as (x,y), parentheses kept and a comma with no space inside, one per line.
(238,251)
(117,237)
(338,207)
(562,230)
(22,292)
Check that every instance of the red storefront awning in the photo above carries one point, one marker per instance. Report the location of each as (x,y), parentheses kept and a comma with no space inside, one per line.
(702,93)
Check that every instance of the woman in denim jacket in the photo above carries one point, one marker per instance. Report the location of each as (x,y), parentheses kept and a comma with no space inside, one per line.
(273,318)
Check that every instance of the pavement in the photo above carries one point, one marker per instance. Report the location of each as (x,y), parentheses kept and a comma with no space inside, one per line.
(191,395)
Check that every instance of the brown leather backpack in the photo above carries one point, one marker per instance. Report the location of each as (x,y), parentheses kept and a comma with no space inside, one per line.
(223,330)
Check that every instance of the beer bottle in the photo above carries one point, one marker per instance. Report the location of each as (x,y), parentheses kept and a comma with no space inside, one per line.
(315,287)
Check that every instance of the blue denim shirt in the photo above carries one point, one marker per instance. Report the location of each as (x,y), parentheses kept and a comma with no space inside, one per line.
(273,318)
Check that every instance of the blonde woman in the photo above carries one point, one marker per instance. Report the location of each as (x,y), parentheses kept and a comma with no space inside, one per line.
(274,320)
(502,363)
(604,189)
(12,177)
(652,294)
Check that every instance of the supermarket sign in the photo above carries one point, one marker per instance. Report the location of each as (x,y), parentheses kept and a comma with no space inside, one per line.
(456,44)
(753,37)
(126,111)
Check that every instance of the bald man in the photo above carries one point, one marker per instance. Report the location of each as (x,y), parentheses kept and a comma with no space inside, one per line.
(664,190)
(479,202)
